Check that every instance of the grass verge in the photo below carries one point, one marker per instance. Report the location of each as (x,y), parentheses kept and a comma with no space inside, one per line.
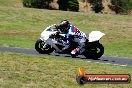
(21,27)
(28,71)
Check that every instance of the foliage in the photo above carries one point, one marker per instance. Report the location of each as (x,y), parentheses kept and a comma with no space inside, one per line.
(37,3)
(62,4)
(127,6)
(96,5)
(71,5)
(121,6)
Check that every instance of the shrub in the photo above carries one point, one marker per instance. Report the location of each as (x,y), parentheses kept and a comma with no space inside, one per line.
(37,3)
(127,6)
(63,4)
(96,5)
(121,6)
(71,5)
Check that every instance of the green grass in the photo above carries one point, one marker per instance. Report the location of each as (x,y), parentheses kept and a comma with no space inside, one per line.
(28,71)
(21,27)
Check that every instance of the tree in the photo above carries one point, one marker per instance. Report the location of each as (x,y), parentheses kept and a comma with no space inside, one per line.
(96,5)
(63,4)
(71,5)
(37,3)
(121,6)
(116,5)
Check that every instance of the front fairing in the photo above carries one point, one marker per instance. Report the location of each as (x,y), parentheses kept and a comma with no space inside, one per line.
(48,31)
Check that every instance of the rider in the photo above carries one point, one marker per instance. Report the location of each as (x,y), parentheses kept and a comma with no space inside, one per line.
(71,32)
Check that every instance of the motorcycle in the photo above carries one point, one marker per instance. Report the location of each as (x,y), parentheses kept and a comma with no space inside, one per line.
(51,40)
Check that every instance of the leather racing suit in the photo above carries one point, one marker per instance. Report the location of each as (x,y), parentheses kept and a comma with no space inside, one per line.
(76,35)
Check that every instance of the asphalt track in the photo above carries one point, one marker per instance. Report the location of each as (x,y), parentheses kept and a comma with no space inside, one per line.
(102,60)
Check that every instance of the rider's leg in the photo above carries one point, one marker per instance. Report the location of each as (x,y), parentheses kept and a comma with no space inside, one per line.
(79,49)
(66,43)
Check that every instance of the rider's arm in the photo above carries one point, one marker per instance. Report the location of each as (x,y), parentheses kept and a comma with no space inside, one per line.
(73,30)
(58,27)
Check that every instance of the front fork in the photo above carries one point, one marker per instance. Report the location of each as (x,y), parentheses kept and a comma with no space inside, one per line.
(44,45)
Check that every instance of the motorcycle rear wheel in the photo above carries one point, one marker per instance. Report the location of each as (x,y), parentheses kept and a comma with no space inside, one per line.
(95,52)
(43,48)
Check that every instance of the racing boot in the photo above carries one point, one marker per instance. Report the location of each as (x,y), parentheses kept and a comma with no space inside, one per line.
(75,52)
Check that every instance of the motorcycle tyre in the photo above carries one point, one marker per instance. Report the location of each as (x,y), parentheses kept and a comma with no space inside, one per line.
(97,55)
(43,50)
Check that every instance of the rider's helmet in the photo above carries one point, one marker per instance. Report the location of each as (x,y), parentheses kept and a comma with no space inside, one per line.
(65,25)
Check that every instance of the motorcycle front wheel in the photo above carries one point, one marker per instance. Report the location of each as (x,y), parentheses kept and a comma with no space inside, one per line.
(43,48)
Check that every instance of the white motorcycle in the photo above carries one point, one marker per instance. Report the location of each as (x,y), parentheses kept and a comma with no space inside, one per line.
(51,40)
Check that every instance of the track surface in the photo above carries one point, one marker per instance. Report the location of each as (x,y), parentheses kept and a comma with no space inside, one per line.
(103,59)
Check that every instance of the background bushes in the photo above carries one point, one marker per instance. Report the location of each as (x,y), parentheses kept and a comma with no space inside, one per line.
(37,3)
(73,5)
(96,5)
(121,6)
(70,5)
